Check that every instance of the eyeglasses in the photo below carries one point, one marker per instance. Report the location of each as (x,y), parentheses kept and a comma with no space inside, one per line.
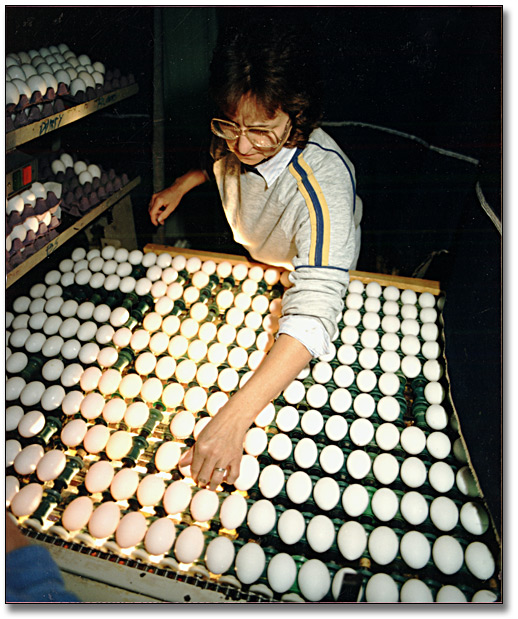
(259,138)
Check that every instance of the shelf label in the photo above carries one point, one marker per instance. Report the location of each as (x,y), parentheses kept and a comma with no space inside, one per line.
(103,101)
(50,247)
(51,124)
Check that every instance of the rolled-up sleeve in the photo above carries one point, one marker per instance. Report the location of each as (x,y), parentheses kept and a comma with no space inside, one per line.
(325,241)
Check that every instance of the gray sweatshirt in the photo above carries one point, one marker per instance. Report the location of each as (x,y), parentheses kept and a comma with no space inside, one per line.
(298,210)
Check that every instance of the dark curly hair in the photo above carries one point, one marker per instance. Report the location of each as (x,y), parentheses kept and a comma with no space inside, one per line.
(274,62)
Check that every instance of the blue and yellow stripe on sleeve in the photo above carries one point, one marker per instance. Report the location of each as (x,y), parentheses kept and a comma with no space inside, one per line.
(318,211)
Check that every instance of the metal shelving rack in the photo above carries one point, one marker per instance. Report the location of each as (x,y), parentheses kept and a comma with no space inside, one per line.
(45,126)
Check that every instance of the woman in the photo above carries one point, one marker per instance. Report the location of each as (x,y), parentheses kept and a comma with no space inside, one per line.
(289,195)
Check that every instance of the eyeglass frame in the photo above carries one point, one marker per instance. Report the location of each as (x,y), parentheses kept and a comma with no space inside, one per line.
(245,130)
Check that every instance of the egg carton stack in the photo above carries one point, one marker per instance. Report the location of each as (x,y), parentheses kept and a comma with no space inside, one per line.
(85,185)
(41,83)
(32,219)
(354,484)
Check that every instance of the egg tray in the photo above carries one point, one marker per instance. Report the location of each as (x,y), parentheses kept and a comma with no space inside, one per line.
(272,544)
(27,111)
(79,199)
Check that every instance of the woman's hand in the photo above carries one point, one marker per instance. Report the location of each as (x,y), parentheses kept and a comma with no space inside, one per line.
(163,203)
(216,455)
(219,448)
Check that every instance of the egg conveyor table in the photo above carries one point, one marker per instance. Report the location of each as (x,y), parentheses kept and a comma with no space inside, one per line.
(355,484)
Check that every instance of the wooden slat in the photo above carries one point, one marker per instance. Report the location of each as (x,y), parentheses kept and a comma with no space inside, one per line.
(418,285)
(56,121)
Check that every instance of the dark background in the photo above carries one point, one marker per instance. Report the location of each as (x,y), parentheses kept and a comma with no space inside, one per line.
(434,73)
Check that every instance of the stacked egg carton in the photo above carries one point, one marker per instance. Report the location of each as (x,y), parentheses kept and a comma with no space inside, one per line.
(352,482)
(32,219)
(85,185)
(41,83)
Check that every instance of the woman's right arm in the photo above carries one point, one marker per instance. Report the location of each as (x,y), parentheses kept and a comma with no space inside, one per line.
(163,203)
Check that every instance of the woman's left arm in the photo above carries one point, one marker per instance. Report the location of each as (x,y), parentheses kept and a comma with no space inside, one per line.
(220,443)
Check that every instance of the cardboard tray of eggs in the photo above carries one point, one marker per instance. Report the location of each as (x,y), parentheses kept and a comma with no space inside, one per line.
(70,188)
(355,483)
(45,82)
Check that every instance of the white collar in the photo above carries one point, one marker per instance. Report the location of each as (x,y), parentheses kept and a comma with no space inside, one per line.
(272,168)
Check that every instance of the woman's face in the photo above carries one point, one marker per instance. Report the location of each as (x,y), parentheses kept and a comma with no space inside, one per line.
(251,115)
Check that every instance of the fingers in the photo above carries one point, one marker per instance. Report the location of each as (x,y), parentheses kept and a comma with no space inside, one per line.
(165,212)
(186,457)
(155,207)
(218,475)
(205,473)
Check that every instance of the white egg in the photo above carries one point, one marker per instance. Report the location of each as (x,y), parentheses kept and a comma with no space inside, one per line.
(280,447)
(26,461)
(233,511)
(96,438)
(261,517)
(358,464)
(12,449)
(450,594)
(124,484)
(387,436)
(414,508)
(384,504)
(204,505)
(72,402)
(31,393)
(413,472)
(314,580)
(320,533)
(219,555)
(13,414)
(104,520)
(415,591)
(131,530)
(381,588)
(441,477)
(13,388)
(291,526)
(250,563)
(326,493)
(474,518)
(287,418)
(12,486)
(281,572)
(444,513)
(160,536)
(447,554)
(52,398)
(336,427)
(189,544)
(355,500)
(385,468)
(31,424)
(150,490)
(413,440)
(299,487)
(167,456)
(438,445)
(73,432)
(271,480)
(484,596)
(415,549)
(177,497)
(99,476)
(27,500)
(119,445)
(383,545)
(16,362)
(361,432)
